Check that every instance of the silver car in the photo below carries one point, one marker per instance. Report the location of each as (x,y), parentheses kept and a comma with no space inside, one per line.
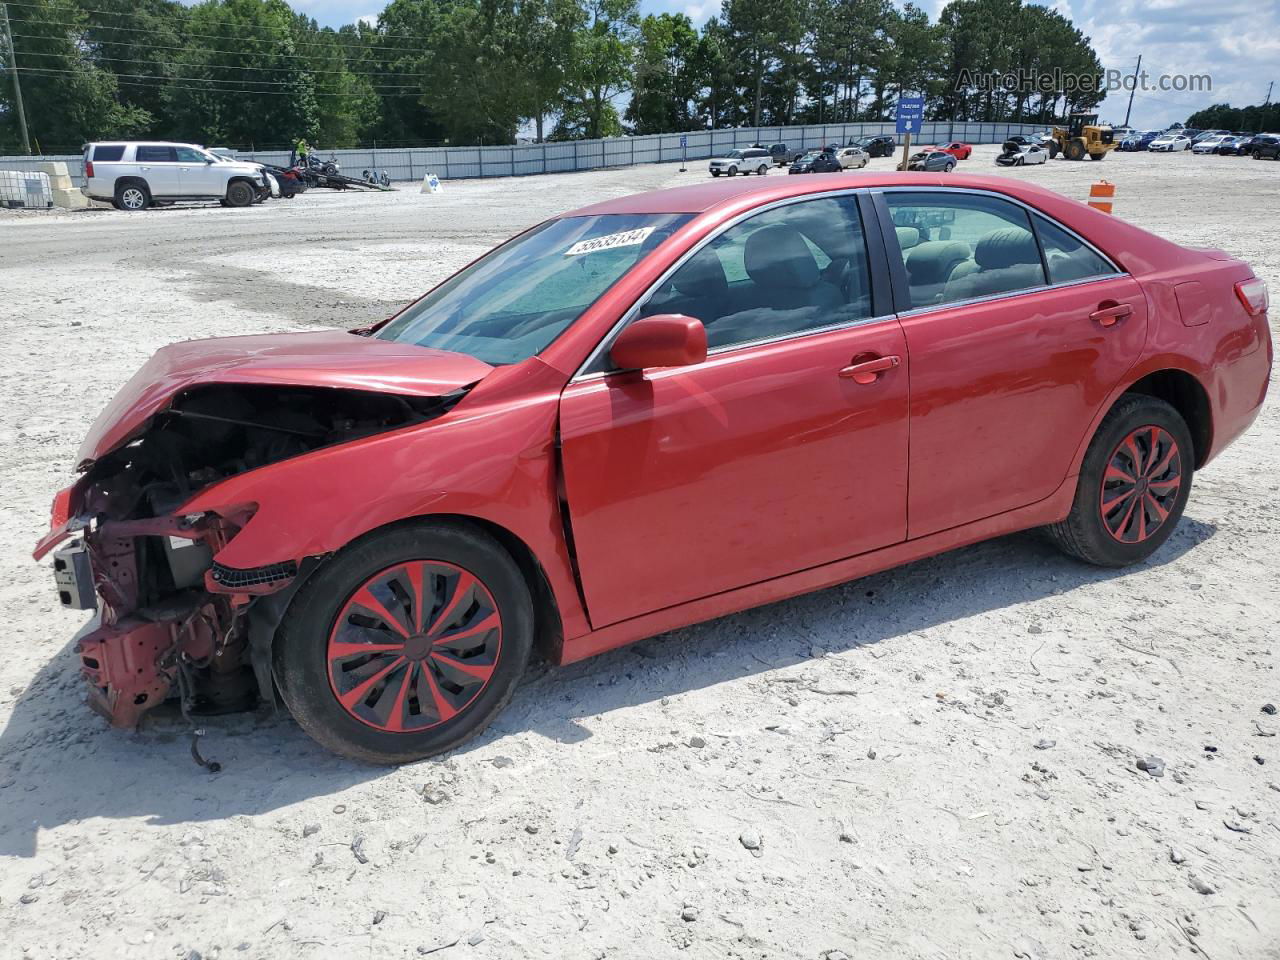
(748,160)
(134,174)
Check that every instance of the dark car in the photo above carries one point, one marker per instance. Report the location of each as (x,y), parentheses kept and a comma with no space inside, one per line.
(780,153)
(1263,147)
(1231,147)
(934,161)
(816,161)
(876,146)
(1139,141)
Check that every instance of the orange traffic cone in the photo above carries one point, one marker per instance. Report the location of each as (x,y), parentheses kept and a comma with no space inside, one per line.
(1101,195)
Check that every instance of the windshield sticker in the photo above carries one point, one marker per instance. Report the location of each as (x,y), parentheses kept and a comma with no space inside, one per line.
(628,238)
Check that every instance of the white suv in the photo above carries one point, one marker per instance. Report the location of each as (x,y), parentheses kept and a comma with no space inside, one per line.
(134,174)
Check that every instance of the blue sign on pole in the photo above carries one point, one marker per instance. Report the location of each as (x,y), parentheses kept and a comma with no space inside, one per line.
(910,114)
(684,141)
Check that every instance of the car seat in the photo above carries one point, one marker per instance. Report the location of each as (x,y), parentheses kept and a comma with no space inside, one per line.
(929,267)
(1004,259)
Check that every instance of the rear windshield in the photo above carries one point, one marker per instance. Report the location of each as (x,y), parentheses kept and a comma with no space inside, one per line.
(514,301)
(108,152)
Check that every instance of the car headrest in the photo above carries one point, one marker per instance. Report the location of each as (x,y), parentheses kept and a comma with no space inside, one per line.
(933,260)
(777,256)
(1005,248)
(908,237)
(701,276)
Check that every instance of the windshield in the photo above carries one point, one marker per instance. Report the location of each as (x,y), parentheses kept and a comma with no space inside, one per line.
(514,301)
(734,155)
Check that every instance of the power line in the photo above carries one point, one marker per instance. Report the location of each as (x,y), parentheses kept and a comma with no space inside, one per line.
(147,76)
(218,66)
(255,93)
(375,62)
(185,16)
(209,36)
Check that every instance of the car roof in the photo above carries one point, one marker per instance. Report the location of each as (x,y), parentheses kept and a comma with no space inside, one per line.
(144,143)
(755,191)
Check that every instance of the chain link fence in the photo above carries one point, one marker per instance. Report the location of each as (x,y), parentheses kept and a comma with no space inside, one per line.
(453,163)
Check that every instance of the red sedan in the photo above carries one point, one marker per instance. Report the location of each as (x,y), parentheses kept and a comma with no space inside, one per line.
(645,413)
(957,149)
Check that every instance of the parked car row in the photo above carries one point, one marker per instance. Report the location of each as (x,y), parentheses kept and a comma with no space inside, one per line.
(835,157)
(1263,146)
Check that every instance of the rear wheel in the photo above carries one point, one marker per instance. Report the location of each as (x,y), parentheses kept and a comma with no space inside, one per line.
(406,644)
(240,193)
(1133,484)
(762,170)
(132,195)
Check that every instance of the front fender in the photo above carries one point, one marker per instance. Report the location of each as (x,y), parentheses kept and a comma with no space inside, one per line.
(494,461)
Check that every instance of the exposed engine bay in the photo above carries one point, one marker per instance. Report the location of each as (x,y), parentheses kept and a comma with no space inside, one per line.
(170,618)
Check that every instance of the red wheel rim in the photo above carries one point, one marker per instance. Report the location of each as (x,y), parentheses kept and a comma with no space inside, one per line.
(414,646)
(1140,485)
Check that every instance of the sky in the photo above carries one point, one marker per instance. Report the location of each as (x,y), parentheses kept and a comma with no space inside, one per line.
(1233,42)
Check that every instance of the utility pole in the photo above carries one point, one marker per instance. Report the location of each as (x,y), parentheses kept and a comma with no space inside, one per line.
(17,84)
(1131,89)
(1267,102)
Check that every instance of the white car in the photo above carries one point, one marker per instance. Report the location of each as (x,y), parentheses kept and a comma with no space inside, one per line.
(1169,143)
(134,174)
(1021,154)
(852,158)
(748,160)
(1210,144)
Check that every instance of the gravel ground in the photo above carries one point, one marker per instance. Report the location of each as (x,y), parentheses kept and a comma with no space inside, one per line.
(934,762)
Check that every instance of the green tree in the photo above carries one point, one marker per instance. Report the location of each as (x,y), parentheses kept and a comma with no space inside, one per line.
(600,68)
(667,82)
(68,98)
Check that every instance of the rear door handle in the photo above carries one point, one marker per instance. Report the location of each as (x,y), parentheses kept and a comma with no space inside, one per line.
(1107,316)
(868,371)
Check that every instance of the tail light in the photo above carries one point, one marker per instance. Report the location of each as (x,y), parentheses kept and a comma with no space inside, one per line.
(1253,294)
(88,169)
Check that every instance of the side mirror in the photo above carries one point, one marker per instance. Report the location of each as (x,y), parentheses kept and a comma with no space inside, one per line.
(664,340)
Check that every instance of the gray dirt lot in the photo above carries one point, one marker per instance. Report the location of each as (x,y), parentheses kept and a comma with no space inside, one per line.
(878,738)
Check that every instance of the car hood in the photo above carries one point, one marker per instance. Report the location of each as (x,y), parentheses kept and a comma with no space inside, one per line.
(321,359)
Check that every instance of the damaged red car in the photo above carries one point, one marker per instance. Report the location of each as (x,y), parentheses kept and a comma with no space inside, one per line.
(639,415)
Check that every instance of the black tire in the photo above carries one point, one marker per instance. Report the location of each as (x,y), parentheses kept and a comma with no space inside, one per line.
(1084,534)
(1053,150)
(762,169)
(1257,155)
(715,173)
(1074,150)
(300,658)
(240,193)
(733,171)
(132,196)
(1098,156)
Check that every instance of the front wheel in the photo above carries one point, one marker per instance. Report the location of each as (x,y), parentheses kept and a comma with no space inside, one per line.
(406,644)
(240,193)
(733,171)
(715,173)
(1133,484)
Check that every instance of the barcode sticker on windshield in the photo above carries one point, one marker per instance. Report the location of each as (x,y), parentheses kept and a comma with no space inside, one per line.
(628,238)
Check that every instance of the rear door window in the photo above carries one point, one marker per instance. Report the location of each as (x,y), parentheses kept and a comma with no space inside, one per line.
(108,152)
(970,246)
(150,153)
(1067,256)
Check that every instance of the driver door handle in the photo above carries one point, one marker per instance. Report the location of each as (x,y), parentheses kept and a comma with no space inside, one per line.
(868,371)
(1107,316)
